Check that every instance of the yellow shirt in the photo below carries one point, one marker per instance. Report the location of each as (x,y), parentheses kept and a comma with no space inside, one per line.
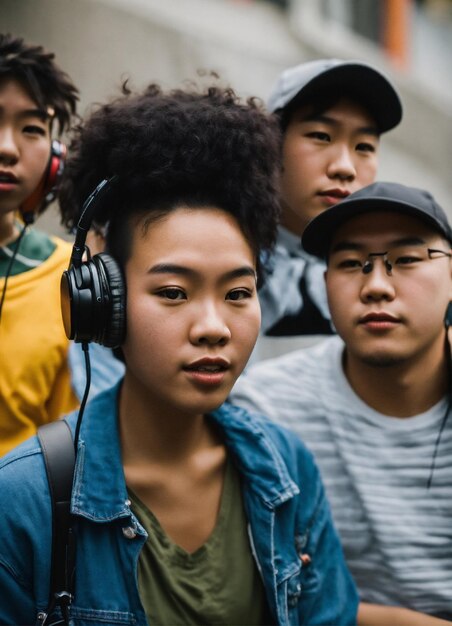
(35,383)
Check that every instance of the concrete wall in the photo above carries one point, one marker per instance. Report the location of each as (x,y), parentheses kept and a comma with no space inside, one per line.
(102,42)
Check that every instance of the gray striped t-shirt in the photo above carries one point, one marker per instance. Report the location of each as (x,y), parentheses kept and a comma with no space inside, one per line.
(397,535)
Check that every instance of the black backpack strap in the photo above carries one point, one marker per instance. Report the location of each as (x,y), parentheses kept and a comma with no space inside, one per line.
(59,458)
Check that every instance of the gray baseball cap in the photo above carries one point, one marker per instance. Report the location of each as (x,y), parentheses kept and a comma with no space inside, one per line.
(393,197)
(373,87)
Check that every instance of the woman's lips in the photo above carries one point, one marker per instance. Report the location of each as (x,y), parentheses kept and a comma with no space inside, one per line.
(207,371)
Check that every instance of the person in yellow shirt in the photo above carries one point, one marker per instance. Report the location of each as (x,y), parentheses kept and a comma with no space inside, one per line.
(37,101)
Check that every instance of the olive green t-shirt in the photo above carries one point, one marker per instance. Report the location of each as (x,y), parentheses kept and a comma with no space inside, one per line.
(218,584)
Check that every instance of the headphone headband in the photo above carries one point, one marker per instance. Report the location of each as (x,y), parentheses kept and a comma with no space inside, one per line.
(86,217)
(93,292)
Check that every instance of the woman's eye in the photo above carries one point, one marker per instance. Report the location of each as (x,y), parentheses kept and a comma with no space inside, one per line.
(171,293)
(32,129)
(239,294)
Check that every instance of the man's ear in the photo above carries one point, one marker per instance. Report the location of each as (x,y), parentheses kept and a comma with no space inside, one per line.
(450,271)
(448,321)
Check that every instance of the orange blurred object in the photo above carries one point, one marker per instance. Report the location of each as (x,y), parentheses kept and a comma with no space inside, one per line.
(396,30)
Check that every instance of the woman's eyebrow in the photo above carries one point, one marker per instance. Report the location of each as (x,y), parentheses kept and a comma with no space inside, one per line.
(182,270)
(171,268)
(240,272)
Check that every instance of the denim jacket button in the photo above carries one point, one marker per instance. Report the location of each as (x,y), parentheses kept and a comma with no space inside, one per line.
(129,532)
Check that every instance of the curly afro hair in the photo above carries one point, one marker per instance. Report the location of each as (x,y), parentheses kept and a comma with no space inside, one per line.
(36,70)
(192,147)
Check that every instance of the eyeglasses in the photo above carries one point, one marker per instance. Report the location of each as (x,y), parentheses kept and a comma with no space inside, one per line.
(397,261)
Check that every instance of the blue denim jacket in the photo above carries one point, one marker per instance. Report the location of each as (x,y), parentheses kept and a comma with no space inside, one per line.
(285,503)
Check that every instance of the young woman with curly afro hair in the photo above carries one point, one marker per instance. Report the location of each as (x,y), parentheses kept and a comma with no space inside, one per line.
(187,510)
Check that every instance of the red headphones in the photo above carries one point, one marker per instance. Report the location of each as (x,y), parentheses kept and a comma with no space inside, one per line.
(47,188)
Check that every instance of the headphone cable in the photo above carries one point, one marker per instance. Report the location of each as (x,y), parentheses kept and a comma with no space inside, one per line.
(85,348)
(10,265)
(448,407)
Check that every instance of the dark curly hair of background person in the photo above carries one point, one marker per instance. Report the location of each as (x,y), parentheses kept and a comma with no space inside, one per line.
(37,71)
(193,147)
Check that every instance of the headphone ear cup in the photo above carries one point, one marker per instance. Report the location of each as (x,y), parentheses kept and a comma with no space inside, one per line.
(113,286)
(93,302)
(54,171)
(47,188)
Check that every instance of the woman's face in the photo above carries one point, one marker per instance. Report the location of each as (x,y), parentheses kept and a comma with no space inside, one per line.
(193,314)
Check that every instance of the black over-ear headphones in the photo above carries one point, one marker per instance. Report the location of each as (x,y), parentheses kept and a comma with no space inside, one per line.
(47,188)
(93,292)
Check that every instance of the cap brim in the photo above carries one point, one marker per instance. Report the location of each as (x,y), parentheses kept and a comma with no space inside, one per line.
(318,234)
(372,88)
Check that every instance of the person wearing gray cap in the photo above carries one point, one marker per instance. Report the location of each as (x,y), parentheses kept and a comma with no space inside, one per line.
(373,403)
(332,113)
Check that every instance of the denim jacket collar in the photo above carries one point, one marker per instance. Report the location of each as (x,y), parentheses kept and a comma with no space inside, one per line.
(99,459)
(256,455)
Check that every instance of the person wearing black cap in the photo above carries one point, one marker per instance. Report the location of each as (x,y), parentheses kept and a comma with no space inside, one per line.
(374,403)
(332,113)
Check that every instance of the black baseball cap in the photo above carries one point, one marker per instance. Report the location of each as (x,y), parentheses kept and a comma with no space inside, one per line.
(394,197)
(373,87)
